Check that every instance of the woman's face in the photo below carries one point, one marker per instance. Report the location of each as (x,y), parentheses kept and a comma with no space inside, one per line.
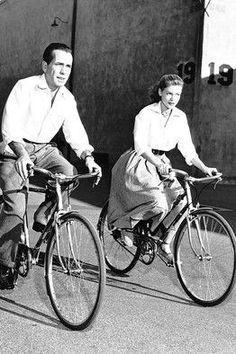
(170,96)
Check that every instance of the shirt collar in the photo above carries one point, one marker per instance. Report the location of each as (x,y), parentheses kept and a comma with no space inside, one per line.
(42,84)
(156,107)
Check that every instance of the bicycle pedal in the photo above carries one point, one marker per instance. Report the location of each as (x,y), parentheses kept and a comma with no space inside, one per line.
(147,252)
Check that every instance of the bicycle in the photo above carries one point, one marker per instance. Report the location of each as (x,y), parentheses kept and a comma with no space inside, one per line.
(204,246)
(74,261)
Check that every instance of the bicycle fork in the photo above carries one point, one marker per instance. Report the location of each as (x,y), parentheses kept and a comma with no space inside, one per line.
(69,225)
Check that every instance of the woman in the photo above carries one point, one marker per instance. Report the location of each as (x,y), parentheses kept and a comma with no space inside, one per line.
(136,192)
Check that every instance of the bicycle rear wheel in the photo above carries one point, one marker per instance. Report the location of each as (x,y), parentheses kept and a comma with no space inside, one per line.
(75,272)
(205,257)
(119,257)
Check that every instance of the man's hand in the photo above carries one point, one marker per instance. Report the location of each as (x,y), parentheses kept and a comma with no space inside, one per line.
(93,166)
(23,165)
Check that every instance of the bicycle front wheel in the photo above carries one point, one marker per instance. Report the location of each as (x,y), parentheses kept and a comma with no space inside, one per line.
(205,257)
(119,257)
(75,271)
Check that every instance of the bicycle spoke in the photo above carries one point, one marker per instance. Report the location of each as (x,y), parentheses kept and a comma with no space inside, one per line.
(120,258)
(206,258)
(75,272)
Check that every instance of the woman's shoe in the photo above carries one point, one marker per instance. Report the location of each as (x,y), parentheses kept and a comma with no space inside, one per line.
(126,240)
(38,227)
(120,236)
(164,252)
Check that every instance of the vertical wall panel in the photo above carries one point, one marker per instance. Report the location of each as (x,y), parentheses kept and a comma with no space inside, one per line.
(216,122)
(25,31)
(122,47)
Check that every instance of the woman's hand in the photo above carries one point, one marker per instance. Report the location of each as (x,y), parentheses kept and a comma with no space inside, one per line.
(210,171)
(164,169)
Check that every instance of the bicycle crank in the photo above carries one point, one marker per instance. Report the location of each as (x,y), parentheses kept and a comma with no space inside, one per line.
(147,252)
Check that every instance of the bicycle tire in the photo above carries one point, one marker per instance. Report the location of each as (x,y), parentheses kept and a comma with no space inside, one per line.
(119,257)
(206,270)
(75,284)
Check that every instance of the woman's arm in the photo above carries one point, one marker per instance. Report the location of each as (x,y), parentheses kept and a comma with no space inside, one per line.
(163,168)
(201,166)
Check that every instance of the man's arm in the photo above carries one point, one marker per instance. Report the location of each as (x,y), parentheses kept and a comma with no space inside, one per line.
(23,162)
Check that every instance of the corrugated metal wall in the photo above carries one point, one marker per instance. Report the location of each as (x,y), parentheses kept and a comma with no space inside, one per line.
(121,48)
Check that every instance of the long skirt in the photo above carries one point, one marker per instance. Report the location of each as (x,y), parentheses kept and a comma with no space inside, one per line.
(137,192)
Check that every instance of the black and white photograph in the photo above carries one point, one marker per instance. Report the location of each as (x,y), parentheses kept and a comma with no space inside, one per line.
(118,176)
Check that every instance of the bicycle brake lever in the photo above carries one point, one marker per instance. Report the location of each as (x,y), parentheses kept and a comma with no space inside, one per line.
(96,181)
(216,182)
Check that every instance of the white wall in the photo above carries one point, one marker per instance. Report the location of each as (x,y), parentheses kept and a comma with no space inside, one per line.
(216,121)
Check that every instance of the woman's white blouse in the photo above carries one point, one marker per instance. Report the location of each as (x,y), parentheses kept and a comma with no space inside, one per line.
(154,131)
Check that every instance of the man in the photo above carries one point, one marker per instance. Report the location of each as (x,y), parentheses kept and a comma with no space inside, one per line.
(36,109)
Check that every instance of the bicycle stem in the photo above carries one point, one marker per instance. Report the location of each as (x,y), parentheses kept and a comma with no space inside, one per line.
(59,194)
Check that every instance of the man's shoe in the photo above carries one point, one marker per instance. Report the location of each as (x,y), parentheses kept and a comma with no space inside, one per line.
(7,280)
(165,254)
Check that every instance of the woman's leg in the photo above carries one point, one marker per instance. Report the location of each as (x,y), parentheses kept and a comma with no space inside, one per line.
(172,192)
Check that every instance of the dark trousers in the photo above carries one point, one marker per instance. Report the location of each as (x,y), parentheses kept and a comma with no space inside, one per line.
(11,216)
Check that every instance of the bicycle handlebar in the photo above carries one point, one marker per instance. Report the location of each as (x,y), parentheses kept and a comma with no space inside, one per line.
(63,178)
(186,176)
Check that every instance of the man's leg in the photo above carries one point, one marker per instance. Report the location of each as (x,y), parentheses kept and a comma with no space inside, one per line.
(51,159)
(11,215)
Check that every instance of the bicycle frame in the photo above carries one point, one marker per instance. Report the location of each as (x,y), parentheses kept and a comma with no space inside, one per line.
(53,221)
(188,208)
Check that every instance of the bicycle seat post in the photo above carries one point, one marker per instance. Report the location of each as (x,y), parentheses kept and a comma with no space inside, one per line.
(188,193)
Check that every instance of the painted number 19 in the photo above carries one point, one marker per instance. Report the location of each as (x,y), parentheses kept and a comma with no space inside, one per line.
(224,77)
(225,72)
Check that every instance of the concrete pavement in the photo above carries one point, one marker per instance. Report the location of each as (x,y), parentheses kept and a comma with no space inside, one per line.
(145,311)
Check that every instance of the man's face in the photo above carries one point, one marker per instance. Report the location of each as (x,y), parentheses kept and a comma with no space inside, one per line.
(57,72)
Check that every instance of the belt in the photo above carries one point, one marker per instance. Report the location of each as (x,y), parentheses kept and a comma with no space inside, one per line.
(158,152)
(33,142)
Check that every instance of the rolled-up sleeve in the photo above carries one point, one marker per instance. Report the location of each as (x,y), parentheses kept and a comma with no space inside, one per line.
(141,133)
(185,143)
(12,127)
(74,131)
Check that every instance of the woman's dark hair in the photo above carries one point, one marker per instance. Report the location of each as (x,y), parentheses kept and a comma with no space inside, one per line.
(165,81)
(48,53)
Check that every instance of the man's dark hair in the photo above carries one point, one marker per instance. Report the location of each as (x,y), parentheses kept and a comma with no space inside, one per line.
(48,53)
